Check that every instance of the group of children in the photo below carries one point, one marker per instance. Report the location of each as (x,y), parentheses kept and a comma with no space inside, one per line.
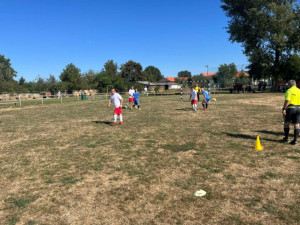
(134,99)
(118,103)
(195,95)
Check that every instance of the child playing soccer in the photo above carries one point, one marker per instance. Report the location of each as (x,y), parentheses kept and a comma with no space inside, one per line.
(205,100)
(131,97)
(136,98)
(193,98)
(118,102)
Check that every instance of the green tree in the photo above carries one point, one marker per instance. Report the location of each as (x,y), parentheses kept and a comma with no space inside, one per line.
(242,79)
(226,74)
(52,84)
(21,81)
(41,84)
(132,71)
(111,68)
(121,84)
(90,79)
(7,73)
(184,73)
(152,74)
(71,77)
(266,29)
(292,68)
(103,79)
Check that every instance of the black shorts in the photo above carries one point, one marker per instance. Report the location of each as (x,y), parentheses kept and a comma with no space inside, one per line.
(293,115)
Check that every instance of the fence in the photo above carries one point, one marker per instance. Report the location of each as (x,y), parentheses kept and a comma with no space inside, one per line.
(37,99)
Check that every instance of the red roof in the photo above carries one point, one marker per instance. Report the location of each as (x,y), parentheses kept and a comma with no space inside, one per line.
(240,73)
(171,79)
(208,74)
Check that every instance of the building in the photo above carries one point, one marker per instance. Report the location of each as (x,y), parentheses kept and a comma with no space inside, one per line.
(163,84)
(242,72)
(208,75)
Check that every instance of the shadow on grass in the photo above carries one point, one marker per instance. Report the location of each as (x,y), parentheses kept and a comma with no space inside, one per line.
(104,122)
(243,136)
(185,109)
(249,137)
(273,132)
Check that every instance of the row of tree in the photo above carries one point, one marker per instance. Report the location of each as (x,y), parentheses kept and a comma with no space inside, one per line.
(225,77)
(122,78)
(71,78)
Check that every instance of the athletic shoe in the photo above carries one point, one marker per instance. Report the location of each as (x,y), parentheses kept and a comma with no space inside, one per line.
(293,142)
(122,123)
(285,140)
(114,124)
(204,109)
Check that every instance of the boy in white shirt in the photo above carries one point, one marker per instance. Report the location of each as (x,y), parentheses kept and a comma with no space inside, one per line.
(118,102)
(131,98)
(193,98)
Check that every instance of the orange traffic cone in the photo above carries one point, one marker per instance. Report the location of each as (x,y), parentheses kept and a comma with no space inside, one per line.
(258,145)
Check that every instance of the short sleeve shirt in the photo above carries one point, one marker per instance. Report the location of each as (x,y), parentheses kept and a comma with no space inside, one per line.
(293,95)
(131,92)
(136,95)
(206,95)
(193,94)
(116,99)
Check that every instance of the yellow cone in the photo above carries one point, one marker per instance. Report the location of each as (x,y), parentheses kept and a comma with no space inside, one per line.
(258,145)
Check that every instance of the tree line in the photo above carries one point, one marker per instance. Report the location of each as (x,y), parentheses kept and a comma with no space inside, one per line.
(71,78)
(225,77)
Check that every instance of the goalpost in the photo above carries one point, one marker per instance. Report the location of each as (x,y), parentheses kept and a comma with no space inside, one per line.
(107,90)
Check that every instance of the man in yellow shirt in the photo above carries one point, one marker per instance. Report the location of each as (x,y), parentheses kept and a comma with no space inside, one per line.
(197,89)
(291,111)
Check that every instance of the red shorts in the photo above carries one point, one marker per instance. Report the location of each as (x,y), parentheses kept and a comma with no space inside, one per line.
(193,102)
(118,111)
(131,99)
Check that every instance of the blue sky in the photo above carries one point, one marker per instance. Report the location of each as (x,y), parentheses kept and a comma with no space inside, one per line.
(42,36)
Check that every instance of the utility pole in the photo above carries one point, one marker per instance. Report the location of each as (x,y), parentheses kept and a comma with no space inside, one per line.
(207,72)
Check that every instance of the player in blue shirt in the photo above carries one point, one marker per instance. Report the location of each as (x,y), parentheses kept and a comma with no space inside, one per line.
(206,99)
(136,98)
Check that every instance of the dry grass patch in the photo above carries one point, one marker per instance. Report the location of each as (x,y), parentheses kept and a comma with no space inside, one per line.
(64,164)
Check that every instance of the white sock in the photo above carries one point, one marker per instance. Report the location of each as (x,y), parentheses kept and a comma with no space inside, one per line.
(115,117)
(121,118)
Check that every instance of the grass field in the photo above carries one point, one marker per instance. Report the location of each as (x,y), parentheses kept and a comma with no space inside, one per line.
(64,163)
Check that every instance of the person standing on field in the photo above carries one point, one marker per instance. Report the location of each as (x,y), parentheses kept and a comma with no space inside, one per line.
(118,102)
(131,98)
(136,99)
(291,111)
(197,89)
(205,100)
(193,98)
